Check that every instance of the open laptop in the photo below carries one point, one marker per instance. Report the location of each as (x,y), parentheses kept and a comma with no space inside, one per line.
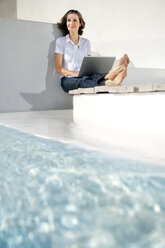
(91,65)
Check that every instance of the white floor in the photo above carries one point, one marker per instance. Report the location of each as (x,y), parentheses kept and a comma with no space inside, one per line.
(59,125)
(53,124)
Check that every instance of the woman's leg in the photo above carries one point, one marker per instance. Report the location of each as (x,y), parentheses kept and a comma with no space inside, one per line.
(114,77)
(118,79)
(118,68)
(71,83)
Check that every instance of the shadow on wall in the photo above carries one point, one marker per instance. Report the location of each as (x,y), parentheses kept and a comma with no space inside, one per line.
(53,91)
(137,75)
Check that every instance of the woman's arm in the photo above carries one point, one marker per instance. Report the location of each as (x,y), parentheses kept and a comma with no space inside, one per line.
(61,70)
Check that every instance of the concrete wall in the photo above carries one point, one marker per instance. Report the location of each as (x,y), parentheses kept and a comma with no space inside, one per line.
(128,124)
(113,26)
(27,77)
(8,8)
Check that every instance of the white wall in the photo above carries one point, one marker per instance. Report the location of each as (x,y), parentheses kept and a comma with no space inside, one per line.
(128,124)
(27,78)
(114,27)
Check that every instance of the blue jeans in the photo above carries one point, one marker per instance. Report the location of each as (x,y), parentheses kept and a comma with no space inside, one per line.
(71,83)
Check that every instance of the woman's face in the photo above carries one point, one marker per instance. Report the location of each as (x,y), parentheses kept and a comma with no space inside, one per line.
(73,23)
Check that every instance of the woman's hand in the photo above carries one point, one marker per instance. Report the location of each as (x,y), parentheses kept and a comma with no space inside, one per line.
(60,69)
(75,73)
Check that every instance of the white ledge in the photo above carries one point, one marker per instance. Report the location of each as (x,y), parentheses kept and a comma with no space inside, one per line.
(127,119)
(139,88)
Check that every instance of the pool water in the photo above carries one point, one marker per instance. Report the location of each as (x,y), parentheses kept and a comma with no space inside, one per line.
(60,196)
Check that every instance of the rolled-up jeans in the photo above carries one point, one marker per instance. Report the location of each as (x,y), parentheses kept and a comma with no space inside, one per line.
(71,83)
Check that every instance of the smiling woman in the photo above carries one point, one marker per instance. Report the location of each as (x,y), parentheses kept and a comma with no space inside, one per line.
(69,53)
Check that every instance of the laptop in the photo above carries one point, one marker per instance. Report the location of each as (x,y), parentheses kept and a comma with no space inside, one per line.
(91,65)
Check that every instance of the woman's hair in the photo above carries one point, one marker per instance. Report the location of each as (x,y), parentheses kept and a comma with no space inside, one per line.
(62,24)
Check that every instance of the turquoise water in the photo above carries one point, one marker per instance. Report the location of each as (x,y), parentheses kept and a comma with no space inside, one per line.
(60,196)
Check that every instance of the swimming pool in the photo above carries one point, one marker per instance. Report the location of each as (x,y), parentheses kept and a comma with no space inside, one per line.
(58,195)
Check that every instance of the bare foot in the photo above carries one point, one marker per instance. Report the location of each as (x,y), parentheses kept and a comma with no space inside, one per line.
(123,60)
(118,80)
(121,64)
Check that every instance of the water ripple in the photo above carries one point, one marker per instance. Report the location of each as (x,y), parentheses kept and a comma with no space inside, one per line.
(57,195)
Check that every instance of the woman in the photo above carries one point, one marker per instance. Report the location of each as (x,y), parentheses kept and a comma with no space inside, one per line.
(69,53)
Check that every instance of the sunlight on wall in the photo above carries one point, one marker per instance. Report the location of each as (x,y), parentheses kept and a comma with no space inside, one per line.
(113,26)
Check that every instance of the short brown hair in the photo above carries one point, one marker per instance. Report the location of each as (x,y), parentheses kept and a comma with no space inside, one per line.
(62,24)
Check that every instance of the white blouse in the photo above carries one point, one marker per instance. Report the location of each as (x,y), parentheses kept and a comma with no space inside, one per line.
(72,54)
